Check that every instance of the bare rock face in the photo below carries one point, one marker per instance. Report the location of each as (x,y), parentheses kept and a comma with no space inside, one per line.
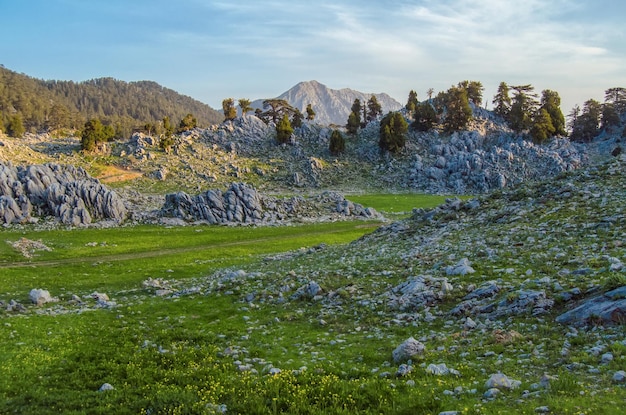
(65,192)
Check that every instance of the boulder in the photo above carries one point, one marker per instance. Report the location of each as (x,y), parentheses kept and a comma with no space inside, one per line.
(463,267)
(409,349)
(501,381)
(41,297)
(608,308)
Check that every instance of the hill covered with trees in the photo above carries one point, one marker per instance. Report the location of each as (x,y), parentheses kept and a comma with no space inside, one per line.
(37,105)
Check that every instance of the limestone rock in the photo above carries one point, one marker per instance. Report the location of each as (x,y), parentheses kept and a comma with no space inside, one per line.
(241,203)
(609,307)
(501,381)
(407,350)
(66,192)
(463,267)
(41,297)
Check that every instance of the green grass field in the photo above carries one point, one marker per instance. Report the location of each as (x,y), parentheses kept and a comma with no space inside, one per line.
(399,204)
(114,259)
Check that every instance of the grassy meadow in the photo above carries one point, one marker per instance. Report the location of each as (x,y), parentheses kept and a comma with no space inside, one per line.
(238,341)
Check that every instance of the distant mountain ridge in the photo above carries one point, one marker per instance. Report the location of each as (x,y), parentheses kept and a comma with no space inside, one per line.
(52,104)
(331,106)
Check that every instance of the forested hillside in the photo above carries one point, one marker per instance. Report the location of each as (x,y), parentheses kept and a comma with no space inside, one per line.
(39,105)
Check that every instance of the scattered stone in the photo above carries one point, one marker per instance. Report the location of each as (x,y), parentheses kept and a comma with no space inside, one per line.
(463,267)
(99,297)
(106,387)
(441,370)
(606,358)
(501,381)
(41,297)
(307,291)
(469,324)
(409,349)
(16,307)
(404,370)
(28,248)
(491,393)
(619,376)
(542,409)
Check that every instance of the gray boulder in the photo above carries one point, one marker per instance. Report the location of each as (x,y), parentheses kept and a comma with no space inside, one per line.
(608,308)
(41,297)
(409,349)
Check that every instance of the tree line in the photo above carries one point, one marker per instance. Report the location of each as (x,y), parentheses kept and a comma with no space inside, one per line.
(32,105)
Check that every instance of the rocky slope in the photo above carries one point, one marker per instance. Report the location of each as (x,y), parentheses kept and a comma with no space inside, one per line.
(331,106)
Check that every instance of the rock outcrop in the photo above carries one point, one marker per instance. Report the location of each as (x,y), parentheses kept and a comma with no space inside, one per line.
(242,204)
(66,192)
(470,163)
(608,308)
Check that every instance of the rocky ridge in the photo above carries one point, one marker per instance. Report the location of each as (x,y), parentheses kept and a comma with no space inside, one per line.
(243,204)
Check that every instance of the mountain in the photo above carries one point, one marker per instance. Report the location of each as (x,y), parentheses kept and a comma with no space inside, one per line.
(51,104)
(331,106)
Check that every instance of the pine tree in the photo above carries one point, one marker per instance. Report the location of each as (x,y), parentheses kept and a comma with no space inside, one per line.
(244,104)
(189,122)
(393,129)
(610,117)
(474,91)
(168,129)
(15,128)
(284,130)
(412,102)
(93,134)
(551,103)
(523,107)
(542,127)
(310,114)
(296,119)
(586,126)
(458,110)
(573,117)
(230,112)
(374,109)
(425,117)
(337,143)
(502,101)
(354,119)
(353,123)
(617,97)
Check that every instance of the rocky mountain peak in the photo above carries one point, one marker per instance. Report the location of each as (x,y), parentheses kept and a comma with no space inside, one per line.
(331,106)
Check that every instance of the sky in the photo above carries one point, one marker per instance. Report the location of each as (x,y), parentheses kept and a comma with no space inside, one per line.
(216,49)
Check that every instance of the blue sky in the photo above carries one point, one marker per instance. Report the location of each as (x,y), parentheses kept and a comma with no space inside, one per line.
(212,50)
